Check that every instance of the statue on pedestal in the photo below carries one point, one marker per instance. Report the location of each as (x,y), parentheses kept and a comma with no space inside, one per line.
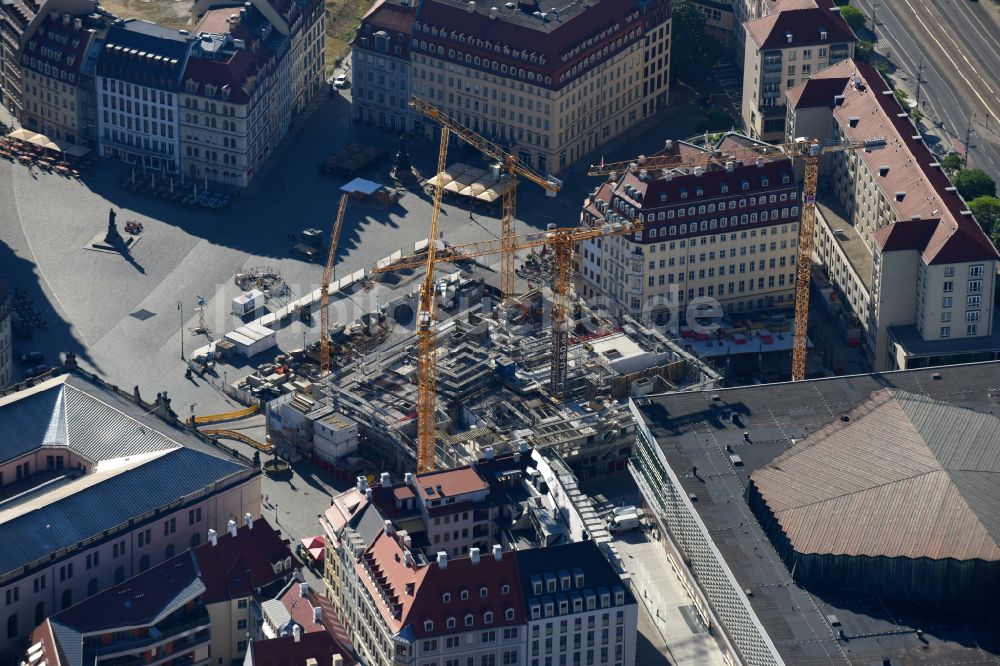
(113,237)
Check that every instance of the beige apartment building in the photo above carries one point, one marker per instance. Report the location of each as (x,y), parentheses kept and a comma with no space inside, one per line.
(726,232)
(784,48)
(550,84)
(896,239)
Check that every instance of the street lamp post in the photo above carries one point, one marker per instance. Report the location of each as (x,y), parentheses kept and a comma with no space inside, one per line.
(180,308)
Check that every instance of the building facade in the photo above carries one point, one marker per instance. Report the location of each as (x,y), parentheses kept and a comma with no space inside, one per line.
(227,126)
(101,445)
(550,86)
(727,231)
(138,75)
(782,49)
(6,336)
(380,60)
(899,243)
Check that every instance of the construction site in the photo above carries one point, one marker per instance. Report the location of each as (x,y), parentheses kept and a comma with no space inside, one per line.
(493,381)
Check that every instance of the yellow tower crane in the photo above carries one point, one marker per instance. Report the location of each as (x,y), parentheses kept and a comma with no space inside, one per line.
(561,240)
(324,291)
(808,150)
(512,166)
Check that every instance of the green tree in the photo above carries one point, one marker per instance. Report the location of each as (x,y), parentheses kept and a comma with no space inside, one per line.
(952,163)
(974,183)
(987,213)
(865,51)
(854,17)
(693,50)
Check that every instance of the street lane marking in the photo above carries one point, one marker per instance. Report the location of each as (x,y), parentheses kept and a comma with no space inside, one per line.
(950,59)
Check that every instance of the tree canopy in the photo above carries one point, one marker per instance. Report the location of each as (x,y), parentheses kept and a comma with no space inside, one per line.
(952,163)
(693,50)
(974,183)
(854,17)
(987,213)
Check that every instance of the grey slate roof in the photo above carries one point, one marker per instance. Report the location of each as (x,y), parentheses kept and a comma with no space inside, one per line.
(142,600)
(96,423)
(64,413)
(104,505)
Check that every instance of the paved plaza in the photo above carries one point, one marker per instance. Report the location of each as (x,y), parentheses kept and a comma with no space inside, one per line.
(121,318)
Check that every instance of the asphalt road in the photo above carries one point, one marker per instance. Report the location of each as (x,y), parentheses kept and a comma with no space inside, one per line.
(959,42)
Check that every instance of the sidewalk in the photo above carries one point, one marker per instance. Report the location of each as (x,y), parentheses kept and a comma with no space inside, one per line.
(670,609)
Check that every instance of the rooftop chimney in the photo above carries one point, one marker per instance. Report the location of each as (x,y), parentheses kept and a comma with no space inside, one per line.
(385,480)
(490,455)
(362,483)
(337,660)
(493,12)
(317,615)
(730,166)
(304,589)
(408,558)
(368,494)
(390,529)
(760,162)
(248,519)
(497,552)
(442,559)
(788,36)
(231,526)
(698,171)
(296,633)
(77,24)
(471,6)
(213,537)
(474,556)
(408,478)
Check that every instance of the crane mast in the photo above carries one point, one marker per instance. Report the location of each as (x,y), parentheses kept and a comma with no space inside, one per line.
(514,169)
(324,308)
(808,150)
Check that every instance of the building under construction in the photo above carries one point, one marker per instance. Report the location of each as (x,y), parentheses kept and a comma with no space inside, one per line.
(493,368)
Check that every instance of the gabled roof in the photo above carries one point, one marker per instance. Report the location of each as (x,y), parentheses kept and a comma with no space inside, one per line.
(816,92)
(238,565)
(903,475)
(140,465)
(286,651)
(805,25)
(870,110)
(141,601)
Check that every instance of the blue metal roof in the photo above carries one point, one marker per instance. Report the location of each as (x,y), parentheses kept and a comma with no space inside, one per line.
(32,421)
(94,509)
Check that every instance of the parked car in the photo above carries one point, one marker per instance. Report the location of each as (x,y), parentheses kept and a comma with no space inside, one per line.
(341,82)
(36,370)
(31,358)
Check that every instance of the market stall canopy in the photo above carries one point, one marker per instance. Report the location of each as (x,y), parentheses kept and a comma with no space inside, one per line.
(361,186)
(21,134)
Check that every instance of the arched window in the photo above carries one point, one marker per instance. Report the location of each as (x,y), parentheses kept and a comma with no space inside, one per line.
(119,575)
(39,613)
(67,599)
(12,625)
(169,552)
(92,587)
(143,563)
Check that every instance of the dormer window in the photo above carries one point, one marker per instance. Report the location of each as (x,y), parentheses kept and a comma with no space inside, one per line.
(450,623)
(482,592)
(509,614)
(505,589)
(464,594)
(469,620)
(785,179)
(724,188)
(446,597)
(564,582)
(488,617)
(684,194)
(428,625)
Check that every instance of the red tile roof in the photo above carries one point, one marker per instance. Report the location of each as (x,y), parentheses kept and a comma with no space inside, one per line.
(560,43)
(805,25)
(286,651)
(393,18)
(236,566)
(457,481)
(816,92)
(956,238)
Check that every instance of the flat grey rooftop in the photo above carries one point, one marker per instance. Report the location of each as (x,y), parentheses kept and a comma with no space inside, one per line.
(850,242)
(913,343)
(694,430)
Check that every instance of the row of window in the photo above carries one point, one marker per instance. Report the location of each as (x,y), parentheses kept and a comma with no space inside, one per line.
(137,91)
